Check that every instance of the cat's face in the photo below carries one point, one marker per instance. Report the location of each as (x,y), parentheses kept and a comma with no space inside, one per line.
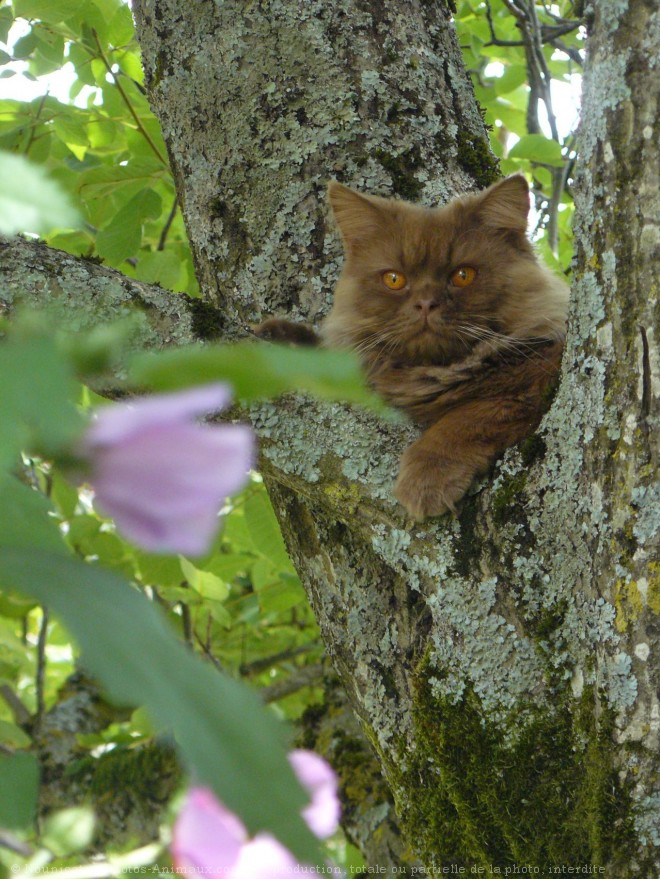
(425,285)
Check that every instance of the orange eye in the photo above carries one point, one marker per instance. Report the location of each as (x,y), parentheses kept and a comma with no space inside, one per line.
(463,276)
(394,280)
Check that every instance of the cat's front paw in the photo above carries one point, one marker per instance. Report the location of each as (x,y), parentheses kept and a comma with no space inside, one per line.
(429,484)
(277,329)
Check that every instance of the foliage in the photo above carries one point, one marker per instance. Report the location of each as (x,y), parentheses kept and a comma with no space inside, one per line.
(524,59)
(242,607)
(106,148)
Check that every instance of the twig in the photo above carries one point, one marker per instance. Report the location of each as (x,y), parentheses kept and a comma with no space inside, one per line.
(33,132)
(168,223)
(305,677)
(14,844)
(41,670)
(131,109)
(259,665)
(19,711)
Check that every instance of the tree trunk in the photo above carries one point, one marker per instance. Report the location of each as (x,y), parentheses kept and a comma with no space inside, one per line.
(500,662)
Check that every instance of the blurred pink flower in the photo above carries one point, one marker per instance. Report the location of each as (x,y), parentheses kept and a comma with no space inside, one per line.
(161,476)
(210,840)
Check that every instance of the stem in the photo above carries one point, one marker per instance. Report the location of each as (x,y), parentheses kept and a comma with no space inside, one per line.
(127,101)
(168,223)
(41,670)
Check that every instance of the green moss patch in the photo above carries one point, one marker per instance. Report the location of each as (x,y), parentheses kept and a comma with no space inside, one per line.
(545,793)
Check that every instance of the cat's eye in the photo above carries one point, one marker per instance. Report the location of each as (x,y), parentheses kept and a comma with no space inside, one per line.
(463,276)
(394,280)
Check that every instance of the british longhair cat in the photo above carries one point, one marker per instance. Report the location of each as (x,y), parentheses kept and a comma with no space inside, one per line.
(456,322)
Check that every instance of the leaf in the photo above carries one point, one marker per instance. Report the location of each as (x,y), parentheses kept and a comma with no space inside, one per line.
(265,530)
(227,566)
(36,390)
(29,200)
(222,730)
(19,773)
(104,180)
(158,570)
(513,76)
(203,582)
(25,520)
(259,370)
(282,594)
(122,237)
(13,736)
(537,148)
(161,267)
(71,129)
(52,11)
(68,831)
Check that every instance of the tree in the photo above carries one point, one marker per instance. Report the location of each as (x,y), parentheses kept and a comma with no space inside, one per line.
(498,662)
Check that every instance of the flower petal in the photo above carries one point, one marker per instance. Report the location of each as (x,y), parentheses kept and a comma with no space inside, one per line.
(207,838)
(314,773)
(264,858)
(164,485)
(115,422)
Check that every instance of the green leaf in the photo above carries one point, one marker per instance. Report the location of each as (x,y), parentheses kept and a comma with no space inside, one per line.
(36,390)
(19,773)
(537,148)
(514,76)
(122,237)
(15,606)
(134,176)
(68,831)
(71,129)
(203,582)
(25,518)
(265,530)
(227,566)
(29,200)
(281,595)
(160,570)
(6,21)
(52,11)
(12,736)
(64,495)
(121,29)
(259,370)
(161,267)
(222,730)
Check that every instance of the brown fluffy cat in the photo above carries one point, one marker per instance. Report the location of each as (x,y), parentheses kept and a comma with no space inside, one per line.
(456,323)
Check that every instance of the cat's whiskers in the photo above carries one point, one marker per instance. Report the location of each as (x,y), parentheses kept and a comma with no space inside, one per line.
(388,341)
(501,342)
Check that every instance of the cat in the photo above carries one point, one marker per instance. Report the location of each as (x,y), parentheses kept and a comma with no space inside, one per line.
(455,321)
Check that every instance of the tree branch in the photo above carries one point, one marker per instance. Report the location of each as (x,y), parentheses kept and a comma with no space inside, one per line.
(82,294)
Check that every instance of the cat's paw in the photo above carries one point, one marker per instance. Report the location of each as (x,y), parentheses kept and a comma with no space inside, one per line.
(429,484)
(276,329)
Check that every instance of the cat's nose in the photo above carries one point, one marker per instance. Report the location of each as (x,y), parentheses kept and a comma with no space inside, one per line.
(426,306)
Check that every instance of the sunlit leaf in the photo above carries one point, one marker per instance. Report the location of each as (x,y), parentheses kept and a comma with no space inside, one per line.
(539,149)
(29,200)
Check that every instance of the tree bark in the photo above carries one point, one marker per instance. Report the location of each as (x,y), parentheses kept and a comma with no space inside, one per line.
(501,662)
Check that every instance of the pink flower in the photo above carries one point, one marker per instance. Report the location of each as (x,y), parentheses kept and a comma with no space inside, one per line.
(210,840)
(161,476)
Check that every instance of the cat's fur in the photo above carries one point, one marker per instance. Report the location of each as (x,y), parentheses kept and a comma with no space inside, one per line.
(472,365)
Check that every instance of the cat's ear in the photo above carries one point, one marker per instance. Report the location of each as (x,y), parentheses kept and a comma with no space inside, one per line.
(505,205)
(359,217)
